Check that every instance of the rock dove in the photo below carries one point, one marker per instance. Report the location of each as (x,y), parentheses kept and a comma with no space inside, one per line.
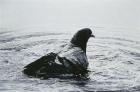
(71,59)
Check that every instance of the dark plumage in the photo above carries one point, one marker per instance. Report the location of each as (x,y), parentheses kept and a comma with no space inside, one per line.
(71,59)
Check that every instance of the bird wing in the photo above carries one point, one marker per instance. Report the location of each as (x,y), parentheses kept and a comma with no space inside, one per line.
(33,67)
(74,55)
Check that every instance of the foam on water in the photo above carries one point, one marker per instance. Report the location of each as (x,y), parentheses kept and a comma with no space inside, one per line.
(114,61)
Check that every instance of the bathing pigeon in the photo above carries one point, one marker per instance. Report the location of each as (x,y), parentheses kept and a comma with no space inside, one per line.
(71,59)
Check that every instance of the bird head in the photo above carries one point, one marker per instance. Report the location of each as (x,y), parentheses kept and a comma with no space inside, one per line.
(81,37)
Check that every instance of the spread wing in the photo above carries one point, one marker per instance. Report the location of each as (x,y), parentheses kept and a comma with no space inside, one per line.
(33,67)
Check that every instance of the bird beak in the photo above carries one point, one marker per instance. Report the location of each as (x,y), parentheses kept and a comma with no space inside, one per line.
(92,35)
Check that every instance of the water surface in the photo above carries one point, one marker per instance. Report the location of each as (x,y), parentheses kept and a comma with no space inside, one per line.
(114,61)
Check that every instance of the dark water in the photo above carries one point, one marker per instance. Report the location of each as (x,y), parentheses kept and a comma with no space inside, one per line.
(114,61)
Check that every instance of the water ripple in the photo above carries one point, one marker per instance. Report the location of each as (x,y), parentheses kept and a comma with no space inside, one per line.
(113,63)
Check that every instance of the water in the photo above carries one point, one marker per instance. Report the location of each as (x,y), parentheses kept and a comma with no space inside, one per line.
(114,60)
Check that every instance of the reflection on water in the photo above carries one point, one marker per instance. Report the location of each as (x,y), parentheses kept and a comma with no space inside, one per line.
(113,61)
